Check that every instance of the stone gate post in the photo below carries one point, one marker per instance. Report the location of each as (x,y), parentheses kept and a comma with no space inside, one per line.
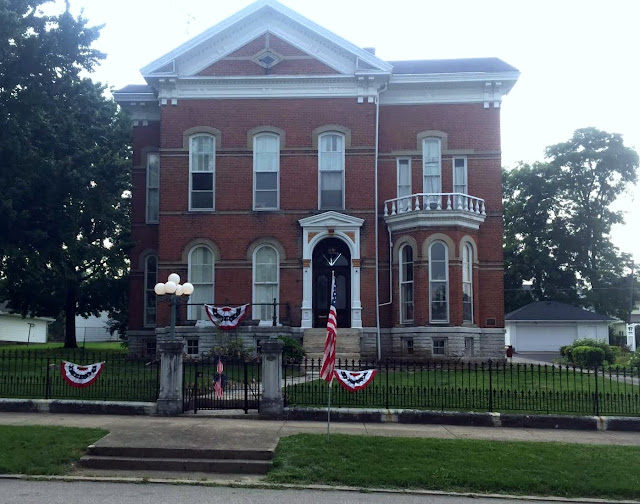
(170,397)
(271,403)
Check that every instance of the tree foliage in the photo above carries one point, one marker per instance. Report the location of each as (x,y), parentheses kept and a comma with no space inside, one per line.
(64,151)
(558,218)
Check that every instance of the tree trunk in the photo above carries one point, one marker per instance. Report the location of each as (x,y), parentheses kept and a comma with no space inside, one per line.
(70,320)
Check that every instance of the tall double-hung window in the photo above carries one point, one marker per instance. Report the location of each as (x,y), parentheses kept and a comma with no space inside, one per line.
(460,180)
(153,188)
(432,168)
(266,169)
(467,283)
(150,280)
(403,167)
(202,172)
(438,283)
(406,284)
(265,282)
(331,171)
(201,276)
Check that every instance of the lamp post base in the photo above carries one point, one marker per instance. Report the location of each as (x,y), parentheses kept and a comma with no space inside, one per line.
(170,396)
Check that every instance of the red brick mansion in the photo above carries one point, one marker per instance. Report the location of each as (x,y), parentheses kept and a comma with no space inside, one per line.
(270,152)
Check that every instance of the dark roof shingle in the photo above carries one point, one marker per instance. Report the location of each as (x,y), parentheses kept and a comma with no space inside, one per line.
(486,65)
(553,310)
(135,88)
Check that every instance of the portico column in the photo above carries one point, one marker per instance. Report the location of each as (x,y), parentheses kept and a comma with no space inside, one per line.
(307,294)
(356,305)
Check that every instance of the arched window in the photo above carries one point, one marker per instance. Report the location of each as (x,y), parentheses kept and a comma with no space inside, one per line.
(153,187)
(406,284)
(467,283)
(438,283)
(201,276)
(150,280)
(331,171)
(432,167)
(266,277)
(266,168)
(202,172)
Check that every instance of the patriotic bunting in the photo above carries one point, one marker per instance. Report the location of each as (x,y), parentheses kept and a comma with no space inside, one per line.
(80,376)
(354,380)
(226,317)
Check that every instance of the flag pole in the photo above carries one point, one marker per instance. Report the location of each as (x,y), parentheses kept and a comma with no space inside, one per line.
(333,279)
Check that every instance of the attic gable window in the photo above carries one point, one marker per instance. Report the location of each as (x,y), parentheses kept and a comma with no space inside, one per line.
(267,58)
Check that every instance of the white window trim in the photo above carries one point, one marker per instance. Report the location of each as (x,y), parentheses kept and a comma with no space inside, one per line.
(467,249)
(147,289)
(146,216)
(344,168)
(453,173)
(401,283)
(213,155)
(253,283)
(213,278)
(446,270)
(277,207)
(424,142)
(446,346)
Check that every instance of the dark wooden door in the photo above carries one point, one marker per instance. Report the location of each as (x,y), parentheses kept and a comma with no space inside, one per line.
(331,255)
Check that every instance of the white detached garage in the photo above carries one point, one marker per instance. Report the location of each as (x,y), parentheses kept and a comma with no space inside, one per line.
(545,326)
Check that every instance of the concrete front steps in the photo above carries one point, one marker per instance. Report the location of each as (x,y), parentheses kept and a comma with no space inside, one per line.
(348,343)
(178,459)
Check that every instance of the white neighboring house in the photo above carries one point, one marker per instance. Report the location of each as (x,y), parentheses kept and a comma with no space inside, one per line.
(14,328)
(545,326)
(93,329)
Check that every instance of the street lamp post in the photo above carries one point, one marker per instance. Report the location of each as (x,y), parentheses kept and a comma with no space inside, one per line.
(175,290)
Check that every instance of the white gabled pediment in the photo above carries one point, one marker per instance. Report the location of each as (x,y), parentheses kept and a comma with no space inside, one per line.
(264,16)
(331,219)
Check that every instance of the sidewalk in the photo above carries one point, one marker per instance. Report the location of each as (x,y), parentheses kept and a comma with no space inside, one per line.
(219,432)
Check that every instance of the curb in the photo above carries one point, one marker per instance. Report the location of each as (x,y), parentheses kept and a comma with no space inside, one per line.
(81,407)
(283,486)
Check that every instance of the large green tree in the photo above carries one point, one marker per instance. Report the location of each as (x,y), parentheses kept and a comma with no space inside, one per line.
(64,169)
(558,218)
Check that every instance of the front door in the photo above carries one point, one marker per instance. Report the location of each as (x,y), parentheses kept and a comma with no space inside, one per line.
(331,255)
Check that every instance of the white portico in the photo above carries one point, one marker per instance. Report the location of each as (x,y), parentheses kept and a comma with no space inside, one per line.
(315,229)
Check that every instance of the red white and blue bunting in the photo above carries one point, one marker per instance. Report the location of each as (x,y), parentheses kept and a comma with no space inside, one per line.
(80,376)
(354,380)
(226,317)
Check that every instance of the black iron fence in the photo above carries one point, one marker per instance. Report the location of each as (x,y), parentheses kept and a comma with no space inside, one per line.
(37,375)
(238,384)
(492,386)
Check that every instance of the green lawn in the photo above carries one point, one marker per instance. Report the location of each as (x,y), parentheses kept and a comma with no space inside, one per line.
(518,388)
(43,450)
(35,373)
(566,470)
(57,347)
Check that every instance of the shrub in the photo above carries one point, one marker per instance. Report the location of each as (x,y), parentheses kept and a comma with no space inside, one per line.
(609,354)
(588,356)
(565,351)
(634,360)
(292,352)
(231,348)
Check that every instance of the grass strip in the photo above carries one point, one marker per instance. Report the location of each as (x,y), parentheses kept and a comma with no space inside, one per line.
(524,468)
(43,449)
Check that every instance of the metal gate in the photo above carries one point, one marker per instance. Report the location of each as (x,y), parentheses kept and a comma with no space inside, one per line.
(239,380)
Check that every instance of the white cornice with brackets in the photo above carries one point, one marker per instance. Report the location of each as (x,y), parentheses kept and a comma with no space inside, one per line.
(460,91)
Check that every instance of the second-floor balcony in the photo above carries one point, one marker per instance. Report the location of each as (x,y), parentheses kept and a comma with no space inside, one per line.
(434,210)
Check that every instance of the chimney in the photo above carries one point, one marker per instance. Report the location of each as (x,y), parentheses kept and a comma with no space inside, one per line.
(372,50)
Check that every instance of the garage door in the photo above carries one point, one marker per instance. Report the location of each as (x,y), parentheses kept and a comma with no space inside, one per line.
(544,338)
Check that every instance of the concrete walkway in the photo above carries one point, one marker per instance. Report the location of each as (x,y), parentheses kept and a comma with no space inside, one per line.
(218,432)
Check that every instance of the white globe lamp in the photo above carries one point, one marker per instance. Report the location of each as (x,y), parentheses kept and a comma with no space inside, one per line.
(187,289)
(159,289)
(170,287)
(175,278)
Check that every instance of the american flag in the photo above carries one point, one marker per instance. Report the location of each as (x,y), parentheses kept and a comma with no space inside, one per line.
(329,356)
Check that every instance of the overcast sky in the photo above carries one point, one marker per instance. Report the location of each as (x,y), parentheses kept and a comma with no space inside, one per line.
(579,60)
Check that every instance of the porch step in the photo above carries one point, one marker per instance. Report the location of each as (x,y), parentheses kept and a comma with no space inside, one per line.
(228,466)
(348,343)
(178,459)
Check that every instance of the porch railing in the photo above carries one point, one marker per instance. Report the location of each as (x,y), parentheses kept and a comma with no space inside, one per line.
(427,202)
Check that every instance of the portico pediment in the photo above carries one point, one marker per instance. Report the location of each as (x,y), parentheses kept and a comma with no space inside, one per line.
(264,16)
(331,219)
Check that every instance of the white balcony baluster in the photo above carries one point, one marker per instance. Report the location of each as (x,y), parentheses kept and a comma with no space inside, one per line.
(417,208)
(393,207)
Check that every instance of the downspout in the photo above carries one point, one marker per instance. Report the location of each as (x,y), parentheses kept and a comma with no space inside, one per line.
(380,91)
